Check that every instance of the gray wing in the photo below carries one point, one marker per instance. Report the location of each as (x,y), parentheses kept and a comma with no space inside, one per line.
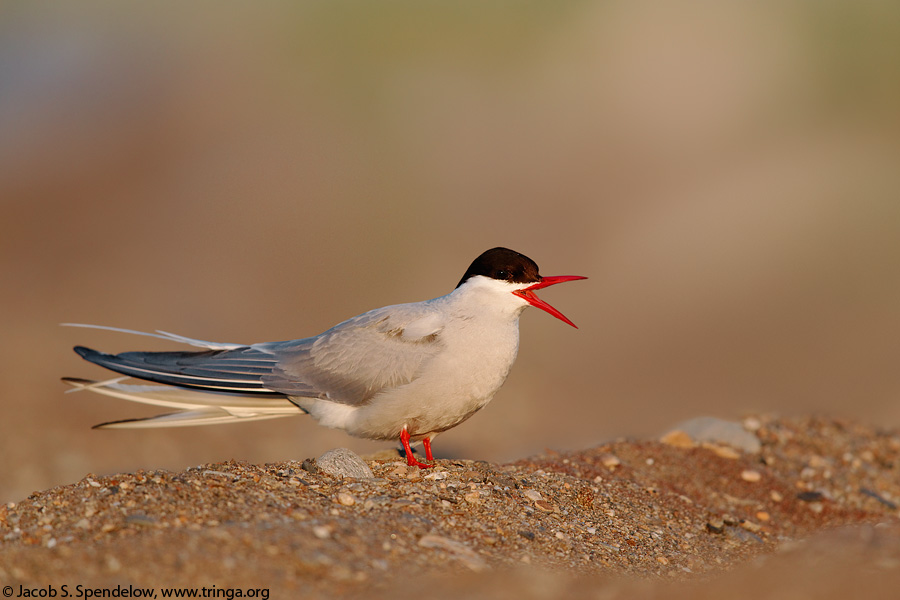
(355,360)
(227,371)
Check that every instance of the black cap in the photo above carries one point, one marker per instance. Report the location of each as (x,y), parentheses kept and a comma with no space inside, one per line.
(505,265)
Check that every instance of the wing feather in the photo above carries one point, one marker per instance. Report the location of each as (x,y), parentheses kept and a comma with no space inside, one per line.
(357,359)
(349,364)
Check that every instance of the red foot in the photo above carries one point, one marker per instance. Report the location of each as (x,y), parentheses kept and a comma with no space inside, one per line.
(427,443)
(410,459)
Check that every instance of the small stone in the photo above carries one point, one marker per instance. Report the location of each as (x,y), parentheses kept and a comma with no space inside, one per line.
(662,560)
(533,495)
(545,506)
(763,516)
(458,550)
(711,429)
(112,564)
(678,439)
(610,461)
(721,451)
(346,499)
(107,527)
(751,526)
(817,462)
(309,465)
(528,535)
(776,496)
(750,475)
(715,526)
(140,520)
(399,471)
(322,532)
(472,497)
(342,462)
(810,496)
(752,424)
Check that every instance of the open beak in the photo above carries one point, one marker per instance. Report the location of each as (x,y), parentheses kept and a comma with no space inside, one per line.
(531,298)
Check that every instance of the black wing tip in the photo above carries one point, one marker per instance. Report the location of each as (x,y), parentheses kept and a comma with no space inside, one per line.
(85,352)
(108,424)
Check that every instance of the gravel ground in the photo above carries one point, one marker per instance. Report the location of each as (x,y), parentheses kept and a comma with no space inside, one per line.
(814,509)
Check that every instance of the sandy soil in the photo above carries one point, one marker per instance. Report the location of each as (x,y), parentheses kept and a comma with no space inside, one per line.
(815,511)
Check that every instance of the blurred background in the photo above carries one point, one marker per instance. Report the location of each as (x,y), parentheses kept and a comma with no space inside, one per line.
(726,174)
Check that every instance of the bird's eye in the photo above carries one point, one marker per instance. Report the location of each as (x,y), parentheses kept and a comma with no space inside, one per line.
(502,274)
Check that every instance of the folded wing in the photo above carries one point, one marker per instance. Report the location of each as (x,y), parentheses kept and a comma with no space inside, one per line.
(349,364)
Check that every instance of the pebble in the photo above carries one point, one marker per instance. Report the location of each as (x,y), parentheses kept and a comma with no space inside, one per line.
(810,496)
(458,550)
(346,499)
(752,424)
(722,451)
(323,532)
(342,462)
(750,475)
(678,439)
(141,520)
(610,461)
(112,564)
(817,462)
(533,495)
(751,526)
(715,526)
(712,429)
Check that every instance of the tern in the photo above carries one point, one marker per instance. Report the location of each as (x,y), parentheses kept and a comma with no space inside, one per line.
(407,371)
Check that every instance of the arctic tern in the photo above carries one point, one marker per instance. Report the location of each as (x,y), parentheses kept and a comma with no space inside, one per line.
(408,371)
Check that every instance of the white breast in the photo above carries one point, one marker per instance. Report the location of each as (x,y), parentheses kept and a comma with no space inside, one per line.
(479,348)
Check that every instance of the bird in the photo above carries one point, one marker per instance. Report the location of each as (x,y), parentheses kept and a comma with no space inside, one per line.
(406,371)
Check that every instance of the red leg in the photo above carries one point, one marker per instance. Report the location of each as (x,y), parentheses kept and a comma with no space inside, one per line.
(410,459)
(427,443)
